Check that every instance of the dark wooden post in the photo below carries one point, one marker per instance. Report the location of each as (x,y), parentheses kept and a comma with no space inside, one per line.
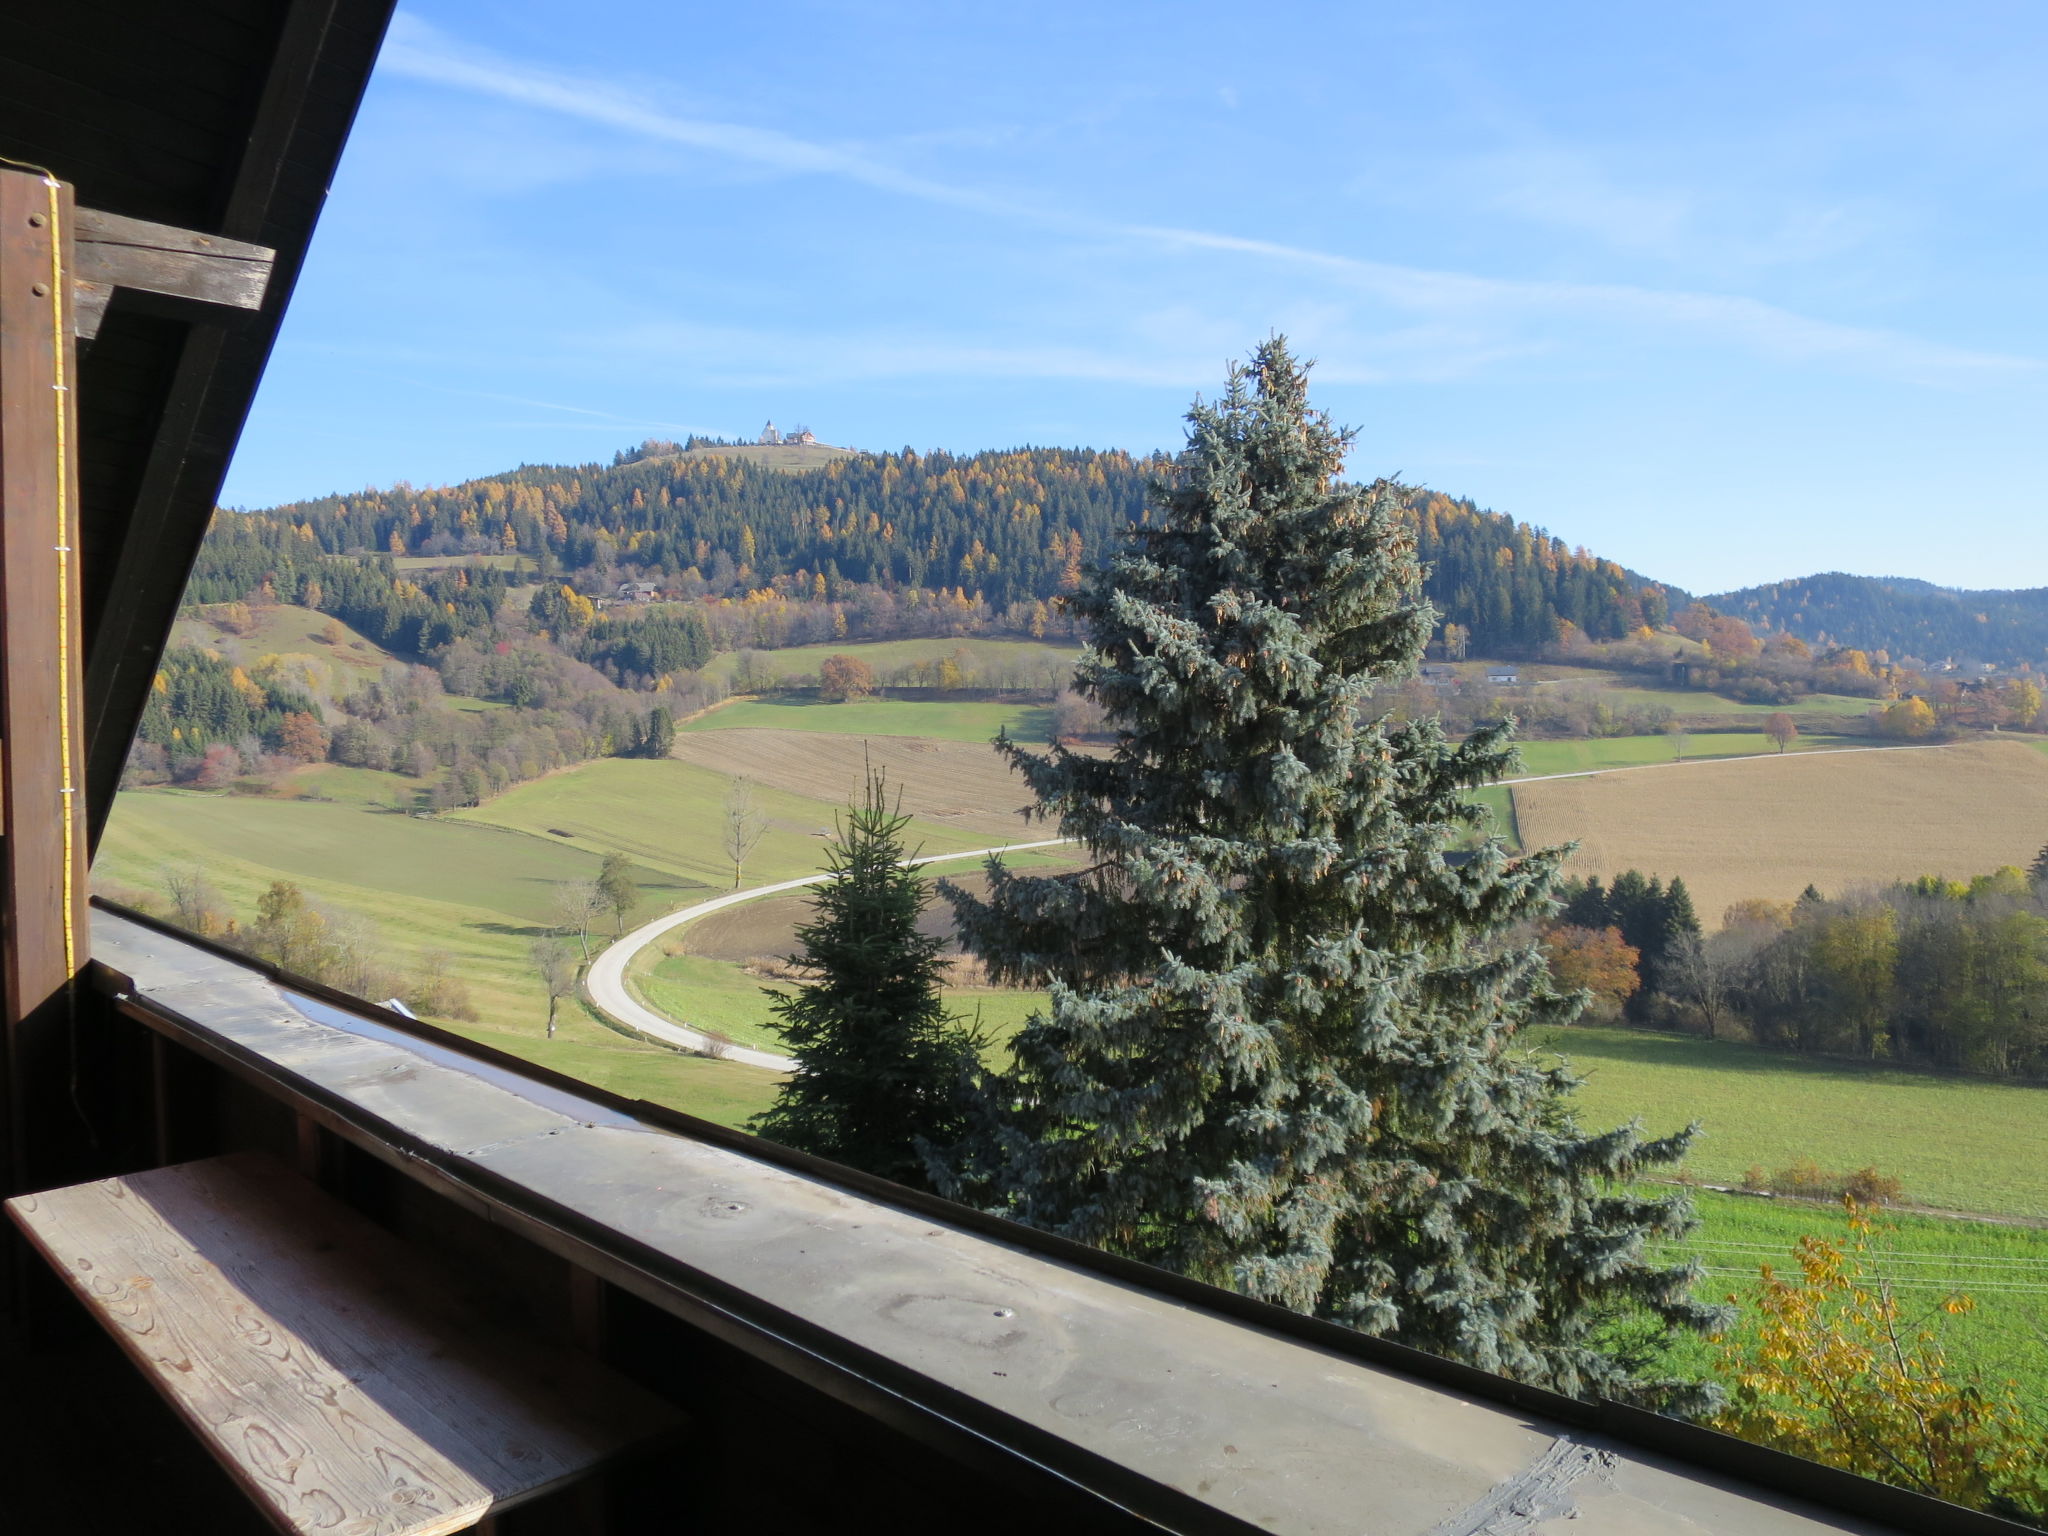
(44,938)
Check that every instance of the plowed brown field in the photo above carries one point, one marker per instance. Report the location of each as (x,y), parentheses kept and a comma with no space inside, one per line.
(954,783)
(1767,826)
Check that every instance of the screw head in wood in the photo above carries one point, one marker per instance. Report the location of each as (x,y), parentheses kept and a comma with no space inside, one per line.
(40,290)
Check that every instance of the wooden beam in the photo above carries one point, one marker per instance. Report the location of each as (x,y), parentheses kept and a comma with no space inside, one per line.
(116,252)
(43,924)
(323,55)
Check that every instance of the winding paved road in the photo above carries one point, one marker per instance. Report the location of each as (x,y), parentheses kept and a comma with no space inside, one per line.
(606,981)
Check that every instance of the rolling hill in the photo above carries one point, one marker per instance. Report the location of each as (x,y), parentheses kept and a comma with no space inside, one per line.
(1900,615)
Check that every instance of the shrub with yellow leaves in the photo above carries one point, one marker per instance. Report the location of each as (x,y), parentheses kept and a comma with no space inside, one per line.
(1836,1373)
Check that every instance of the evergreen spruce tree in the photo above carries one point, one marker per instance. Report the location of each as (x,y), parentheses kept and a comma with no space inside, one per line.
(659,739)
(2037,872)
(880,1060)
(1585,906)
(1281,1049)
(1681,922)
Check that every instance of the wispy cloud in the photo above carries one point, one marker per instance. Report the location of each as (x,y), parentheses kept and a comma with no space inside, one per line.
(601,421)
(422,53)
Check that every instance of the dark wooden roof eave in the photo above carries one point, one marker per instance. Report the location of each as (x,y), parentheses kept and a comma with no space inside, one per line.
(226,117)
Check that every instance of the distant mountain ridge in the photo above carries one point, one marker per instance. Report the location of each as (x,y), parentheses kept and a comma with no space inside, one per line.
(996,535)
(1001,531)
(1901,615)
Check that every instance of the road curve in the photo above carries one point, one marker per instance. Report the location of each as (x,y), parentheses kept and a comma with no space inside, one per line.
(605,983)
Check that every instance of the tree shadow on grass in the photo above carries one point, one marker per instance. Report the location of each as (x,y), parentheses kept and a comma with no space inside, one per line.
(1588,1047)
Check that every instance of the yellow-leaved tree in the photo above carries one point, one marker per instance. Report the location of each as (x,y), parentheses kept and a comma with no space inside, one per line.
(1836,1373)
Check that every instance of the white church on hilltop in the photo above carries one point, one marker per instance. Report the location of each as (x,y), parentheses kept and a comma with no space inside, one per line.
(797,437)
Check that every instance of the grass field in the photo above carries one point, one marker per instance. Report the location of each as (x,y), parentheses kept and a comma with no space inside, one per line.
(668,816)
(283,629)
(1690,703)
(784,456)
(480,894)
(502,562)
(347,846)
(717,995)
(1030,663)
(2004,1269)
(1957,1143)
(958,784)
(1634,751)
(1499,801)
(936,720)
(1768,826)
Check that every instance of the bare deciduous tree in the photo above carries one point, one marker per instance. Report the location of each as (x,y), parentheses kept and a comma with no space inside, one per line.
(576,903)
(1709,972)
(556,963)
(744,827)
(198,906)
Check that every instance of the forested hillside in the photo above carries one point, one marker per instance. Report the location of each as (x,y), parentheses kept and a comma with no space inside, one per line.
(999,532)
(1904,617)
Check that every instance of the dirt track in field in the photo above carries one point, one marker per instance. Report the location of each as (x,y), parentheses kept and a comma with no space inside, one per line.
(954,783)
(1767,826)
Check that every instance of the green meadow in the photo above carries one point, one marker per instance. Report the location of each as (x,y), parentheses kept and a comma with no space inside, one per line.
(670,816)
(1963,1144)
(937,719)
(1925,1260)
(1542,757)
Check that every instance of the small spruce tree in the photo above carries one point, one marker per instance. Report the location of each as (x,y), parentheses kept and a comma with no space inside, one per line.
(880,1061)
(1281,1052)
(1681,922)
(1585,905)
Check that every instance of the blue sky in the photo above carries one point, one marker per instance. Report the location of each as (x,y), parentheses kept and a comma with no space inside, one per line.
(1729,292)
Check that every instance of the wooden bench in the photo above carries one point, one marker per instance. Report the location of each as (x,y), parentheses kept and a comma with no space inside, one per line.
(325,1363)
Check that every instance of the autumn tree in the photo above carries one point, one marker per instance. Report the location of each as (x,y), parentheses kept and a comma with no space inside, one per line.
(1838,1373)
(843,678)
(289,930)
(1854,951)
(1910,718)
(1781,728)
(880,1060)
(1278,1053)
(1594,960)
(300,735)
(2021,700)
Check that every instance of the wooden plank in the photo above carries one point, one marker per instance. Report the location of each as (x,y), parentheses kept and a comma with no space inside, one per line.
(42,861)
(160,258)
(325,1363)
